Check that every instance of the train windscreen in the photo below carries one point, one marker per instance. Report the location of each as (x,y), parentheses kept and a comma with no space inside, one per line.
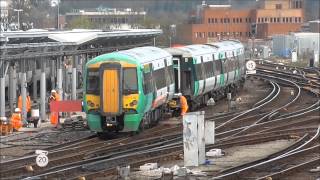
(130,81)
(93,81)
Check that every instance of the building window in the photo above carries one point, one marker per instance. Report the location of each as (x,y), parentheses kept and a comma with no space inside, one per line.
(278,20)
(283,20)
(258,20)
(240,20)
(265,19)
(287,19)
(271,20)
(249,20)
(221,20)
(237,20)
(196,35)
(209,20)
(215,20)
(240,33)
(295,19)
(234,20)
(299,19)
(228,20)
(262,20)
(278,6)
(290,19)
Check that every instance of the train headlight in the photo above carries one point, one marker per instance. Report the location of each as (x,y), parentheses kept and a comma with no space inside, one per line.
(90,103)
(133,103)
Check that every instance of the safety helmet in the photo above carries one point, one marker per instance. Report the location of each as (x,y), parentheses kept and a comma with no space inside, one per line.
(17,110)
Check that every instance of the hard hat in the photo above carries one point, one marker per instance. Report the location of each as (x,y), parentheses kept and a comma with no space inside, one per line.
(53,91)
(17,110)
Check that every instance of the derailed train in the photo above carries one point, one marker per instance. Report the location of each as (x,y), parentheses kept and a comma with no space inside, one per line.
(132,89)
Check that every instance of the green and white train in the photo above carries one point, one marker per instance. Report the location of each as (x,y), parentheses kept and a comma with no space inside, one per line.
(132,89)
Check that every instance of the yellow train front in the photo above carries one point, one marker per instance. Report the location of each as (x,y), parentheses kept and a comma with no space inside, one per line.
(128,90)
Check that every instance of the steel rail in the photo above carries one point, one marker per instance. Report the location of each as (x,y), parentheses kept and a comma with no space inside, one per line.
(275,110)
(275,93)
(294,152)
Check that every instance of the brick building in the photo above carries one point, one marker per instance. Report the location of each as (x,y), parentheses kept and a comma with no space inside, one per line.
(213,22)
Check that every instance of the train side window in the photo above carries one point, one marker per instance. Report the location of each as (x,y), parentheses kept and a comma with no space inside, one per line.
(159,79)
(199,73)
(218,65)
(224,65)
(168,75)
(213,65)
(147,83)
(209,69)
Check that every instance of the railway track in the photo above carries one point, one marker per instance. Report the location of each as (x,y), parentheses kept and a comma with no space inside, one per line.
(234,129)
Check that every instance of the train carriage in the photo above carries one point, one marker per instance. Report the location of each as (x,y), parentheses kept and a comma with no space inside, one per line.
(208,71)
(128,87)
(128,90)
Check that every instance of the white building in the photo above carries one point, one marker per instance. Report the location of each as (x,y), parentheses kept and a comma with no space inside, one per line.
(4,14)
(109,18)
(306,44)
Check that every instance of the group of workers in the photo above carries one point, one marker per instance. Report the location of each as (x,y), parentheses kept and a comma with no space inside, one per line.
(16,117)
(17,121)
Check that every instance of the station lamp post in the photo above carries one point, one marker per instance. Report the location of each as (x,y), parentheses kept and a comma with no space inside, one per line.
(18,10)
(56,3)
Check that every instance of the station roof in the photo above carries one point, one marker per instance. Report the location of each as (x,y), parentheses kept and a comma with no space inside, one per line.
(76,36)
(36,43)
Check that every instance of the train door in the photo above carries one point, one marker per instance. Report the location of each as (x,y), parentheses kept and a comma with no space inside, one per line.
(111,89)
(177,74)
(186,77)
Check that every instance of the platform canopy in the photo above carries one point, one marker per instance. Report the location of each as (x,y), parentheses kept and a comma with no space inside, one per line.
(21,44)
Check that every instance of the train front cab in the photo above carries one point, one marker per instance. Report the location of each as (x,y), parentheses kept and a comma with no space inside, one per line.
(112,97)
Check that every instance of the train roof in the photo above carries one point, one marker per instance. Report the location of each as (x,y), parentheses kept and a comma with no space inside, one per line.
(197,49)
(227,45)
(178,52)
(146,54)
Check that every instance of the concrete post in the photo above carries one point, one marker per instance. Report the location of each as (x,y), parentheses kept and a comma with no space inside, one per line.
(2,90)
(53,73)
(34,81)
(23,86)
(43,90)
(59,77)
(193,139)
(12,87)
(74,77)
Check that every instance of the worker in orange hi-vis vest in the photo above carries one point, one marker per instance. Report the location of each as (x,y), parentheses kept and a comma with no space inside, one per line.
(16,120)
(28,105)
(183,105)
(54,116)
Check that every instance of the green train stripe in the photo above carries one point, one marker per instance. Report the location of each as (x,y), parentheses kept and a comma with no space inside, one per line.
(222,79)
